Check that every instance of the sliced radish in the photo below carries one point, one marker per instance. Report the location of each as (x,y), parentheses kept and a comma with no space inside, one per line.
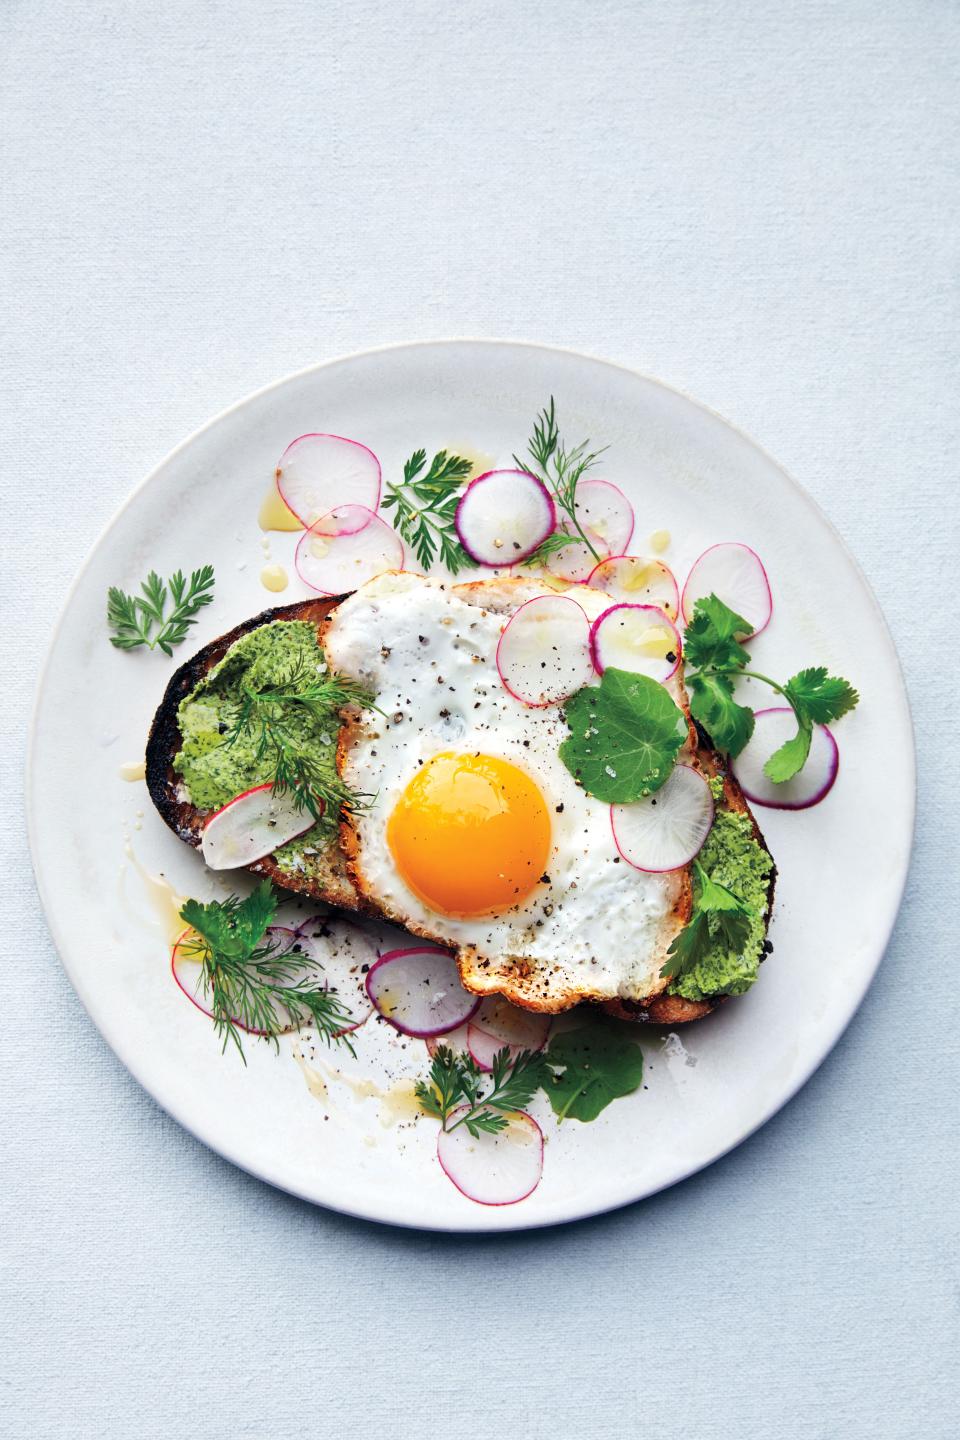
(455,1040)
(503,516)
(604,509)
(735,574)
(638,581)
(418,990)
(250,826)
(771,728)
(497,1169)
(638,638)
(544,650)
(576,561)
(344,953)
(497,1023)
(188,971)
(666,830)
(345,548)
(317,472)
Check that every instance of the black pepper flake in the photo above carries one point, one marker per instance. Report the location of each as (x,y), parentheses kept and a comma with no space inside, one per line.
(544,879)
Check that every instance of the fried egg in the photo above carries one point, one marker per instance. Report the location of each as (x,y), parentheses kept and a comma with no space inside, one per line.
(477,836)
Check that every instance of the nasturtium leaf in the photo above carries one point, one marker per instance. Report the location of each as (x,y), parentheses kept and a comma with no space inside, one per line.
(625,734)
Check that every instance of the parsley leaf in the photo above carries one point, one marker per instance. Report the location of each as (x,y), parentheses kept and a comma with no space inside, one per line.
(426,507)
(714,903)
(133,618)
(625,734)
(590,1067)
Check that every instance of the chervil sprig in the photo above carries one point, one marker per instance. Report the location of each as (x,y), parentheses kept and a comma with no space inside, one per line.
(715,659)
(456,1082)
(143,620)
(253,983)
(562,468)
(426,507)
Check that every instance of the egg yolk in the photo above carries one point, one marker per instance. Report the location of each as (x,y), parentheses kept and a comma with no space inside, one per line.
(470,834)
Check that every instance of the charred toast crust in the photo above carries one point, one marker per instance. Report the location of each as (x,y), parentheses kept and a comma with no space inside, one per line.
(164,741)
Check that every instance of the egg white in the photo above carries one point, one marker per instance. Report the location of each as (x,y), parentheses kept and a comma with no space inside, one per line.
(597,928)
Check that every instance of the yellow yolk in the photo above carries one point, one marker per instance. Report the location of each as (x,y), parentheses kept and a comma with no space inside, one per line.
(470,834)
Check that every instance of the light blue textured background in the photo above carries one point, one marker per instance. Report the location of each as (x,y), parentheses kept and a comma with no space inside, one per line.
(757,202)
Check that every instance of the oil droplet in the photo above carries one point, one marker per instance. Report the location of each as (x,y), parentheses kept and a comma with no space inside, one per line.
(315,1081)
(480,461)
(659,541)
(274,512)
(274,577)
(164,900)
(133,770)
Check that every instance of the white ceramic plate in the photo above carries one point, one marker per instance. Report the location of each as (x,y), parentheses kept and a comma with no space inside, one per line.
(96,838)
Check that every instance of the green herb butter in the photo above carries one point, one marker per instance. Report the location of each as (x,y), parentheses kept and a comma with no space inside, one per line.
(731,857)
(213,771)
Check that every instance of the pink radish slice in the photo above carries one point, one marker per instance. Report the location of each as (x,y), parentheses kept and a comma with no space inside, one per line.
(735,574)
(666,830)
(455,1040)
(503,516)
(497,1023)
(498,1169)
(772,727)
(188,972)
(638,638)
(252,825)
(418,990)
(544,651)
(345,548)
(576,561)
(604,510)
(317,472)
(637,581)
(343,953)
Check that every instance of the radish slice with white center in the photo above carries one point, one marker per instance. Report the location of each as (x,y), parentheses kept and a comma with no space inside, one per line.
(418,990)
(455,1040)
(493,1169)
(735,574)
(577,561)
(667,830)
(345,548)
(503,516)
(815,781)
(343,954)
(250,826)
(544,651)
(638,581)
(637,638)
(603,509)
(187,970)
(317,472)
(497,1023)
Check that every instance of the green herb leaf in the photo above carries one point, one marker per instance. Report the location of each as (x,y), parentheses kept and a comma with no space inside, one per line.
(791,757)
(426,507)
(142,619)
(713,706)
(562,469)
(590,1067)
(819,697)
(716,911)
(252,984)
(710,639)
(456,1083)
(625,734)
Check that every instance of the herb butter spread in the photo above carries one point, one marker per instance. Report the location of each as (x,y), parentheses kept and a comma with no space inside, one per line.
(731,857)
(214,771)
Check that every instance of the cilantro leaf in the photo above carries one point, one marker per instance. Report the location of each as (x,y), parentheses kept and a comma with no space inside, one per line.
(625,734)
(819,697)
(791,757)
(711,636)
(589,1068)
(714,903)
(712,704)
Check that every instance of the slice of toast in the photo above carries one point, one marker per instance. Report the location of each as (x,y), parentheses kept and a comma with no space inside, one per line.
(330,881)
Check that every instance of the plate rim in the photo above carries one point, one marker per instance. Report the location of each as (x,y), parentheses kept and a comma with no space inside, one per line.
(505,1223)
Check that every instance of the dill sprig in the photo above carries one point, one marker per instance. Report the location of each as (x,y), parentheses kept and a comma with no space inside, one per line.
(251,982)
(456,1081)
(264,715)
(562,469)
(133,618)
(426,507)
